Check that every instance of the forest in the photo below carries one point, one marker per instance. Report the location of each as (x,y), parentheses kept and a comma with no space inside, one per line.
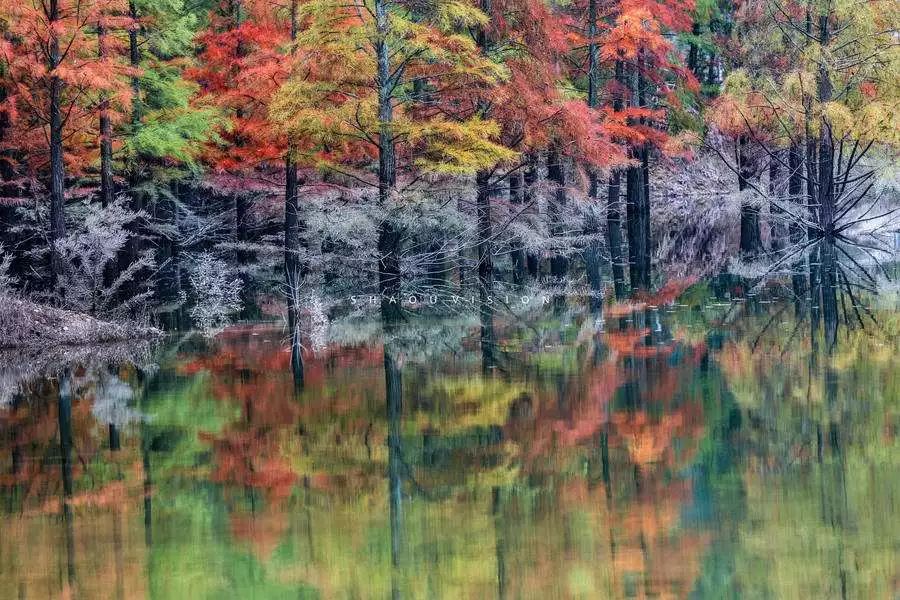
(449,298)
(174,162)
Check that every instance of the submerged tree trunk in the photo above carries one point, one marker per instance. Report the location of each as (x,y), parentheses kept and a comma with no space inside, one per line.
(57,164)
(559,264)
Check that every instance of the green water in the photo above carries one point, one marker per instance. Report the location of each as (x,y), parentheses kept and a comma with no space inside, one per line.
(705,450)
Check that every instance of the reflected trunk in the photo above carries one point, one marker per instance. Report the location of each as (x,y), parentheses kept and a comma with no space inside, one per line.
(64,415)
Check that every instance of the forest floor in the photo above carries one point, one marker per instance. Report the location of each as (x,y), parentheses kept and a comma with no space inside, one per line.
(24,324)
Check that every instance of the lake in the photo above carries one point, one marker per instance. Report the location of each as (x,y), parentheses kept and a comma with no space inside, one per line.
(690,448)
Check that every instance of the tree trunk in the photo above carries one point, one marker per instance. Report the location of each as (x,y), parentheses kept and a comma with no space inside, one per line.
(518,252)
(693,61)
(751,239)
(592,224)
(389,235)
(483,191)
(106,180)
(485,245)
(795,230)
(559,264)
(531,178)
(614,234)
(614,209)
(633,191)
(777,230)
(647,247)
(294,270)
(107,191)
(57,164)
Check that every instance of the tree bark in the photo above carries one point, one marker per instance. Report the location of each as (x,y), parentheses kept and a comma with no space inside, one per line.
(633,191)
(795,230)
(531,178)
(389,235)
(777,230)
(518,252)
(485,245)
(106,180)
(614,235)
(751,239)
(294,269)
(592,224)
(559,264)
(483,191)
(614,209)
(57,164)
(693,60)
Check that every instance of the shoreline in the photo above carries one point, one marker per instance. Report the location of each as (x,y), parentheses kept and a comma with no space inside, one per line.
(29,325)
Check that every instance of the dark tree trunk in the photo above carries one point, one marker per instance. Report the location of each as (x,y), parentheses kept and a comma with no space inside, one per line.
(57,164)
(812,233)
(826,143)
(633,191)
(592,251)
(777,229)
(389,235)
(559,264)
(795,230)
(106,180)
(751,240)
(592,223)
(518,252)
(485,245)
(614,235)
(614,209)
(134,175)
(647,247)
(294,270)
(637,200)
(693,61)
(531,178)
(107,191)
(711,72)
(483,190)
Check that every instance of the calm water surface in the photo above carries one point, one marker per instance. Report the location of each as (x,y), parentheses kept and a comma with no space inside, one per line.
(702,450)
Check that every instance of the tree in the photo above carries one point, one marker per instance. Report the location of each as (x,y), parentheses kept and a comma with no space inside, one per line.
(652,88)
(58,80)
(353,99)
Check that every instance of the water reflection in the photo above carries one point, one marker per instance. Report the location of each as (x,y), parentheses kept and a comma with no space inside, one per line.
(706,450)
